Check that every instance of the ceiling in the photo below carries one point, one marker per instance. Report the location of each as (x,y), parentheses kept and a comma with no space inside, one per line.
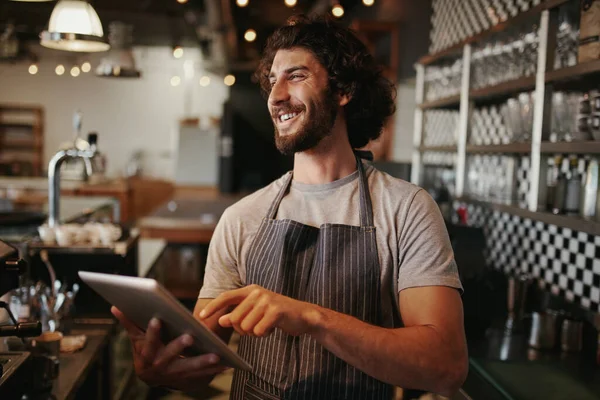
(168,23)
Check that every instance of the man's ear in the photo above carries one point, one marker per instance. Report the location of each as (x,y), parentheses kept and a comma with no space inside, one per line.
(344,99)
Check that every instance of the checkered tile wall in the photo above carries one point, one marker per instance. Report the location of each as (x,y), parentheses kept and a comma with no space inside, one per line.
(566,262)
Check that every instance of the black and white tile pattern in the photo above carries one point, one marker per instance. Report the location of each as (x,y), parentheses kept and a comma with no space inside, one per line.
(564,261)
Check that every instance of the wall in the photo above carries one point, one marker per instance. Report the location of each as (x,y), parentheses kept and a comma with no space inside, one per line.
(129,115)
(404,122)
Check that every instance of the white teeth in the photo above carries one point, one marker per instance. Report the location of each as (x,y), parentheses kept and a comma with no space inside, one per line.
(285,117)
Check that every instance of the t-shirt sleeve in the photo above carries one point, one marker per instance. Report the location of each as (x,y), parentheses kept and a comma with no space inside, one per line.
(221,272)
(426,257)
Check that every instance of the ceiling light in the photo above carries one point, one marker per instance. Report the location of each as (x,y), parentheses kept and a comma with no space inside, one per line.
(337,11)
(86,67)
(229,80)
(74,26)
(33,69)
(290,3)
(182,1)
(368,3)
(242,3)
(60,69)
(175,81)
(250,35)
(119,62)
(178,52)
(204,81)
(75,71)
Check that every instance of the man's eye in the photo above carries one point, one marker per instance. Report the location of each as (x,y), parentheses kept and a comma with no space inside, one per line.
(295,76)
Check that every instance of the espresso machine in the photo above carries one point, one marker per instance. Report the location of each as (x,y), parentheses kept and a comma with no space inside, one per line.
(16,377)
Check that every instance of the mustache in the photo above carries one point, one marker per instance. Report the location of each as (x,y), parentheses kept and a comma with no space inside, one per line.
(286,109)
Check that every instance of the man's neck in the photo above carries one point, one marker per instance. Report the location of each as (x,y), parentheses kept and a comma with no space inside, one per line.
(330,160)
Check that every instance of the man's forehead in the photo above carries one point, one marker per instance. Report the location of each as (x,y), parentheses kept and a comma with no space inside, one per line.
(287,58)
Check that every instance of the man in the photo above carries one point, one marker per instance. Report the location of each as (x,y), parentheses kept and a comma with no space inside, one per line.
(339,278)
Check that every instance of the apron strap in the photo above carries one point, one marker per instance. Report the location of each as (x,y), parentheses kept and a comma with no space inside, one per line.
(366,207)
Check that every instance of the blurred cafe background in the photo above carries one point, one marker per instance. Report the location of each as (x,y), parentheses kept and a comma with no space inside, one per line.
(127,127)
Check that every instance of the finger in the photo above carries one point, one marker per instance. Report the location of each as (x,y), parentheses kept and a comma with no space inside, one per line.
(197,363)
(242,310)
(266,325)
(226,299)
(252,319)
(129,326)
(173,350)
(152,343)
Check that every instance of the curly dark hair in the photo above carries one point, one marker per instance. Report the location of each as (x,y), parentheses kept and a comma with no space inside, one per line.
(352,70)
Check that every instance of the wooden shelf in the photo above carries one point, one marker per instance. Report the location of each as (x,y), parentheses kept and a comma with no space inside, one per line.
(519,18)
(575,223)
(573,74)
(587,147)
(440,149)
(503,90)
(20,143)
(447,102)
(8,126)
(518,148)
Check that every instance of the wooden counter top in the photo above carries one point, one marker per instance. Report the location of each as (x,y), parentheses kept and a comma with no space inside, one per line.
(186,220)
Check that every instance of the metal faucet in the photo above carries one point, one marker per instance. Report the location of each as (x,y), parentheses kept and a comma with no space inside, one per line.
(54,179)
(54,171)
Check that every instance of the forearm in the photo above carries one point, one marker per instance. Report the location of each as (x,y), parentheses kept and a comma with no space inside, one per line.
(415,357)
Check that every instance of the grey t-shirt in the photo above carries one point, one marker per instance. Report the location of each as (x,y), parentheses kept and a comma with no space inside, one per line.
(412,241)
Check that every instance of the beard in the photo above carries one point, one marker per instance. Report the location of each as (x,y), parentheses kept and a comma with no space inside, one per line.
(316,126)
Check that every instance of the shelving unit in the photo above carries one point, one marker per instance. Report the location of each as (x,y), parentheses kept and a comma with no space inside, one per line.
(452,102)
(439,149)
(21,139)
(510,148)
(563,221)
(546,80)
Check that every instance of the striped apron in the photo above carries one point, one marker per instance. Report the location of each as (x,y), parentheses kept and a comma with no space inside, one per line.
(335,266)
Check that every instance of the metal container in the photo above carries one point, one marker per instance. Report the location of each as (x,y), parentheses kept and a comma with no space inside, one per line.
(545,330)
(571,335)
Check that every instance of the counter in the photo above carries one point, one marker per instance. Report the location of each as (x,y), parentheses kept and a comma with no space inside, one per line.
(186,220)
(504,367)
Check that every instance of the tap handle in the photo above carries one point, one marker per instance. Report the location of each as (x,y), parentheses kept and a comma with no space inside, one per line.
(77,120)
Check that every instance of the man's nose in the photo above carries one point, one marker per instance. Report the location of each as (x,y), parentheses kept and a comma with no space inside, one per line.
(279,93)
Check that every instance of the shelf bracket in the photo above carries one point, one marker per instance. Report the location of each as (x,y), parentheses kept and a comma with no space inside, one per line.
(415,174)
(463,121)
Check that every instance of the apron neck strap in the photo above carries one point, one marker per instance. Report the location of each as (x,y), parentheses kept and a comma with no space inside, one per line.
(366,207)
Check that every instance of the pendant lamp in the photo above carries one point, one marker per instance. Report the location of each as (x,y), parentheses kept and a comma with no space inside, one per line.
(74,26)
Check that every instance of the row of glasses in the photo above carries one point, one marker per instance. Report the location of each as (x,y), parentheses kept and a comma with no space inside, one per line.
(440,128)
(567,36)
(517,113)
(443,80)
(511,57)
(455,20)
(488,127)
(492,178)
(575,116)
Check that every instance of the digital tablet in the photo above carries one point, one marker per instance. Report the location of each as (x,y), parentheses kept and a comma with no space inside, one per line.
(141,299)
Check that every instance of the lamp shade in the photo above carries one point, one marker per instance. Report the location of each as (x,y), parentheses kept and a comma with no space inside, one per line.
(74,26)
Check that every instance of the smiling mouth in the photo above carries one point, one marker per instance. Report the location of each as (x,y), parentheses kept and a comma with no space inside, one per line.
(283,118)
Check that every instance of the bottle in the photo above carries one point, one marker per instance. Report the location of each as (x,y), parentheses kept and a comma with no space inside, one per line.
(98,161)
(551,181)
(590,190)
(561,186)
(573,193)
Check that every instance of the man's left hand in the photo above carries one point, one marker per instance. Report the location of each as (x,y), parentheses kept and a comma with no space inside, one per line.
(259,311)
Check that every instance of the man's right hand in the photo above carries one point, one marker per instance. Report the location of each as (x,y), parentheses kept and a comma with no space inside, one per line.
(160,365)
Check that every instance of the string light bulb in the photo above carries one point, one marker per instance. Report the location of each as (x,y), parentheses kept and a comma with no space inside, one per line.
(290,3)
(337,10)
(86,67)
(33,69)
(242,3)
(250,35)
(178,52)
(59,70)
(75,71)
(204,81)
(368,3)
(229,80)
(175,81)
